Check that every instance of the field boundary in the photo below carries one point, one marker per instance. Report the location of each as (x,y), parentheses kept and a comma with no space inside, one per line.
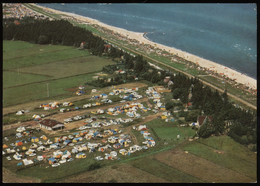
(50,80)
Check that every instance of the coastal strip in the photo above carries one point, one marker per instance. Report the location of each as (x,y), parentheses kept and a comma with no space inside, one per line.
(204,63)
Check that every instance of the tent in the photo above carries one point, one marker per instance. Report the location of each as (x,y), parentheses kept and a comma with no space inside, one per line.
(18,143)
(26,133)
(4,146)
(52,161)
(18,135)
(27,162)
(66,142)
(123,152)
(81,155)
(34,139)
(24,148)
(77,139)
(20,129)
(44,138)
(117,145)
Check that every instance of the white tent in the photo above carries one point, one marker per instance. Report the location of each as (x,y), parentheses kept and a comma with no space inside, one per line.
(27,162)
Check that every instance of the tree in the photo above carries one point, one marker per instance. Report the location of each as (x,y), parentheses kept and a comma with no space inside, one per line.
(218,124)
(43,39)
(169,105)
(206,129)
(192,115)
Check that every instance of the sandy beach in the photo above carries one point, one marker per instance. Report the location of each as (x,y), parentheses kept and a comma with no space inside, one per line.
(228,72)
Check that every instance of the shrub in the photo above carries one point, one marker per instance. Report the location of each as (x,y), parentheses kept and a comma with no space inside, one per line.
(94,166)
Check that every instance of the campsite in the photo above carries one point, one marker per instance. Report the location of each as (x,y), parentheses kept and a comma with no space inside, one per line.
(55,120)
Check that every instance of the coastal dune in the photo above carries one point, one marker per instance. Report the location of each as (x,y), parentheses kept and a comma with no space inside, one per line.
(207,64)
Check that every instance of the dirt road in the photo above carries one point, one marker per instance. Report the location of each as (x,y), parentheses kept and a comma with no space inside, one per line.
(61,116)
(36,104)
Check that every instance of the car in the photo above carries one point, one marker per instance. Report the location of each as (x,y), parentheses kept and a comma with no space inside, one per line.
(55,165)
(71,159)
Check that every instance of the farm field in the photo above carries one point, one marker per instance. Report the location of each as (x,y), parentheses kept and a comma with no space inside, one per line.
(175,166)
(28,68)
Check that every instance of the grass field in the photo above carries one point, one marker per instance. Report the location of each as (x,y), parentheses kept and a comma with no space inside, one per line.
(12,79)
(30,68)
(168,131)
(161,170)
(233,155)
(71,67)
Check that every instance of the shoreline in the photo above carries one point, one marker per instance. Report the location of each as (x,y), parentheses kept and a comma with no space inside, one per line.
(139,36)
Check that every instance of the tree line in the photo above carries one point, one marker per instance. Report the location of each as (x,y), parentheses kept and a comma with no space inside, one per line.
(210,102)
(56,32)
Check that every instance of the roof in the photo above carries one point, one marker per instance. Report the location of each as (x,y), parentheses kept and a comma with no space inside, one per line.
(202,118)
(49,122)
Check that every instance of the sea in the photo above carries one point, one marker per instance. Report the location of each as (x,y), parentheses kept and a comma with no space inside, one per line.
(225,33)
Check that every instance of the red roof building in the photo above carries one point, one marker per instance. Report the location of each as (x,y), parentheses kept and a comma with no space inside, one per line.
(50,124)
(201,119)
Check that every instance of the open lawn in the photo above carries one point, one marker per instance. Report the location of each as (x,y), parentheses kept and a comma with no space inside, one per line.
(31,70)
(163,171)
(11,79)
(70,67)
(122,173)
(201,168)
(225,152)
(43,58)
(16,49)
(36,91)
(168,131)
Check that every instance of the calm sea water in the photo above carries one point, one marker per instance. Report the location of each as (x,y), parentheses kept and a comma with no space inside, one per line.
(223,33)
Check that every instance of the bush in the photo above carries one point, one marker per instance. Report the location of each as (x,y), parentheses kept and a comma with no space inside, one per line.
(94,166)
(43,39)
(169,105)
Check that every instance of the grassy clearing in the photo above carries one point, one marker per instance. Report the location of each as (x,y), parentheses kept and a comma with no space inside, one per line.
(13,118)
(70,67)
(43,58)
(164,171)
(235,156)
(12,46)
(11,79)
(37,91)
(16,49)
(33,66)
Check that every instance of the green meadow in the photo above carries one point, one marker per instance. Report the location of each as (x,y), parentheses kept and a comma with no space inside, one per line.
(32,72)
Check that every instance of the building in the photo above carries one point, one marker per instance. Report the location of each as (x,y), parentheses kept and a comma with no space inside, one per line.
(201,119)
(50,124)
(107,48)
